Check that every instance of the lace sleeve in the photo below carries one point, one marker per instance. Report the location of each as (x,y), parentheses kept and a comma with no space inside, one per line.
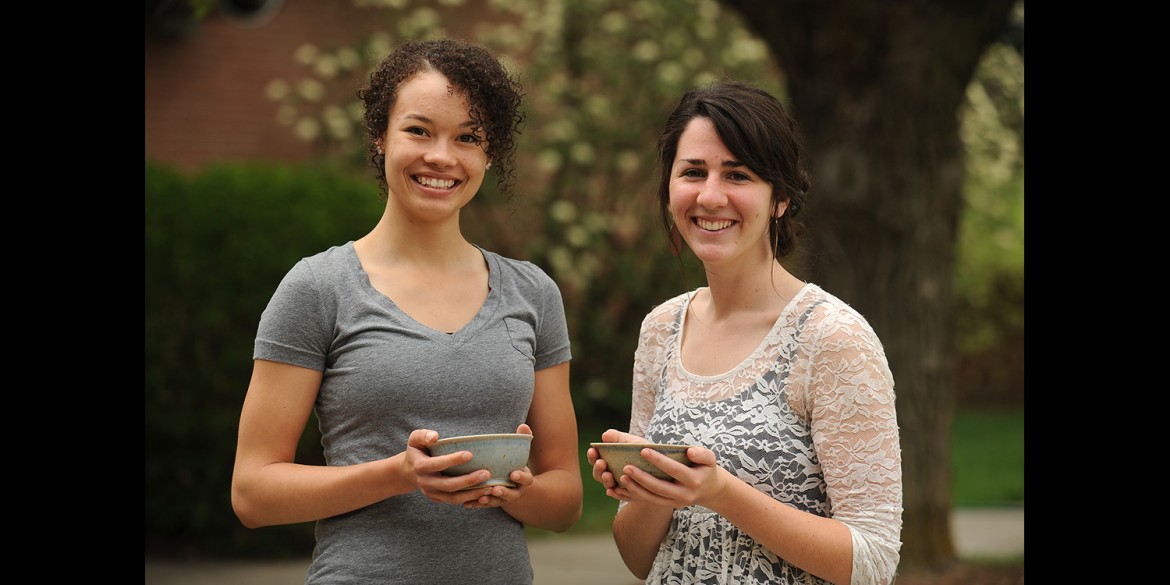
(658,329)
(850,401)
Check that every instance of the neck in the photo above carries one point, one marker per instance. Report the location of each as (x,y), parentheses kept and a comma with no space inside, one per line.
(753,290)
(427,250)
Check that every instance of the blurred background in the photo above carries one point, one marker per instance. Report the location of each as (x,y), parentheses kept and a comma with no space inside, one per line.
(914,114)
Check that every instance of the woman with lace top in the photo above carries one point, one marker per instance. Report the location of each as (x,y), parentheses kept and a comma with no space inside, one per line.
(782,388)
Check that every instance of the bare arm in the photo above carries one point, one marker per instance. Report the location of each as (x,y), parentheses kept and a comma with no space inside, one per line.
(269,487)
(638,528)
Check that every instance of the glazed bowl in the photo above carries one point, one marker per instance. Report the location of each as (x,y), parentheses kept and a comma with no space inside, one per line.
(618,455)
(498,453)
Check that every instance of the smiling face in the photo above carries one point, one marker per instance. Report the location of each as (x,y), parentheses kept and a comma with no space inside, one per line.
(435,154)
(720,207)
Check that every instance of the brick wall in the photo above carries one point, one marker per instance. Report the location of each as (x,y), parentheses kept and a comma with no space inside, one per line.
(205,97)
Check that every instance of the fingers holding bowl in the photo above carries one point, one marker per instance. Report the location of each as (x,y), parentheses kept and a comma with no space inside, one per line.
(617,456)
(494,458)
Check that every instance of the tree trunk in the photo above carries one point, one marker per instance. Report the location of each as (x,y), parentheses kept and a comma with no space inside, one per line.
(877,86)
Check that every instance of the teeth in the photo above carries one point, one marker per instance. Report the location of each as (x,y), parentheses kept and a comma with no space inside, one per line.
(714,225)
(436,183)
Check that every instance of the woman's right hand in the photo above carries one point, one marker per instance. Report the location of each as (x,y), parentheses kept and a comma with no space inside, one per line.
(426,471)
(601,472)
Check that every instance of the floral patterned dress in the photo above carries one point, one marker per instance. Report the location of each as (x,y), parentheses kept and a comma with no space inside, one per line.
(808,418)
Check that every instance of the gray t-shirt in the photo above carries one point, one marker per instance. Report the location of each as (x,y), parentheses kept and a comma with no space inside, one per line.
(386,375)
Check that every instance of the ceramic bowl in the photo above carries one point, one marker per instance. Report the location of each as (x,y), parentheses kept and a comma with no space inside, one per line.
(618,455)
(498,453)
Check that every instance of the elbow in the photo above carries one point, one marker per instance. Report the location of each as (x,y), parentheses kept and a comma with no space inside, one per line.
(876,558)
(574,517)
(569,520)
(248,521)
(245,511)
(572,506)
(639,573)
(638,567)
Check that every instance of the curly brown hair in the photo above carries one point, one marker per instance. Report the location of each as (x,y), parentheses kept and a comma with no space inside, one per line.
(495,97)
(761,134)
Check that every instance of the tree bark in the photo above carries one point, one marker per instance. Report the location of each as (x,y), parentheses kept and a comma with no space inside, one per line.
(877,86)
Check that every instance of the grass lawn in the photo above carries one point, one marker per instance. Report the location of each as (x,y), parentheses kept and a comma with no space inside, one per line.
(987,454)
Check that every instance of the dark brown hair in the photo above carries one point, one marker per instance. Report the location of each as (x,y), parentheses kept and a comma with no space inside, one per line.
(761,134)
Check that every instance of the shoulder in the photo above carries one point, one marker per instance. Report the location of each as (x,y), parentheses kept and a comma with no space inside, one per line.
(816,304)
(523,272)
(321,274)
(834,319)
(332,259)
(667,311)
(324,263)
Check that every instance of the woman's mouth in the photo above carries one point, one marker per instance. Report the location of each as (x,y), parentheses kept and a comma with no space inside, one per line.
(435,183)
(713,225)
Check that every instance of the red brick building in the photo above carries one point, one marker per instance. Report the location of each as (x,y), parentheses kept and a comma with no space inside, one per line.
(206,77)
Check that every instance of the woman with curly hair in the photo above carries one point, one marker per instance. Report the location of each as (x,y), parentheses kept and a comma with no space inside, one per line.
(408,334)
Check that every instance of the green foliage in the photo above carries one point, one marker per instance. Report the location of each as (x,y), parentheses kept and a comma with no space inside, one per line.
(987,452)
(216,247)
(588,172)
(592,165)
(989,274)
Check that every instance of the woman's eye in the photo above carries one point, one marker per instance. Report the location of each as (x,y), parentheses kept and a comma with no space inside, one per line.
(692,173)
(416,131)
(738,177)
(470,139)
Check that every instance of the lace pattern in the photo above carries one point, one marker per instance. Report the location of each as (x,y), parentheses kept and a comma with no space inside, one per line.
(807,418)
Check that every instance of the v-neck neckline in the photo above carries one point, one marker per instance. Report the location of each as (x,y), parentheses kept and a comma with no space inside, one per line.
(457,337)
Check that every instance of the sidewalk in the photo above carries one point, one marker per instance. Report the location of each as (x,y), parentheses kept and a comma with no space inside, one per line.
(584,560)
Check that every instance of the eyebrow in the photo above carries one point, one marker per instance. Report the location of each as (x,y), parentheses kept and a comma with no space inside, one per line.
(421,118)
(727,164)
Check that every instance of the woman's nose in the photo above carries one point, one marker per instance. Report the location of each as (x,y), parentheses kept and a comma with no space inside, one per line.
(711,193)
(439,154)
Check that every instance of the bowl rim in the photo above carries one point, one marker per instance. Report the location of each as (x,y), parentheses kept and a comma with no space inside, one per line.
(640,446)
(489,436)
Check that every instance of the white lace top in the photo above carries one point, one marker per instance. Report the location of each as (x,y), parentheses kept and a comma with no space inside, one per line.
(807,418)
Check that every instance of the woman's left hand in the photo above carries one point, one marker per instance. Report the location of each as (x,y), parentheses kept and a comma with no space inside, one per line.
(694,485)
(500,495)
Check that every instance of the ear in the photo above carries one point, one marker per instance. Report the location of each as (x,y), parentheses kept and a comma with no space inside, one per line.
(780,209)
